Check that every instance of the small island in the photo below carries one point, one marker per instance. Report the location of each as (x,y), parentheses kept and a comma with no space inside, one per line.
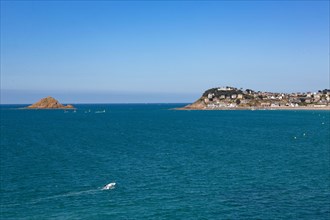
(49,103)
(230,98)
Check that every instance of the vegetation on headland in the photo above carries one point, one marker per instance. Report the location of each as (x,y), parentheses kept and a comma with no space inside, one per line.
(233,98)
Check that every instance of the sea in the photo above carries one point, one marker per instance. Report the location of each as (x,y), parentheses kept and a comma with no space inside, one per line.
(167,164)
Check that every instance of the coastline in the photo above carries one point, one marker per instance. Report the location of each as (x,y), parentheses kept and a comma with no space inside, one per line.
(231,98)
(255,108)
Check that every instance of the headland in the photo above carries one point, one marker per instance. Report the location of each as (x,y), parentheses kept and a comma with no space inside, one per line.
(230,98)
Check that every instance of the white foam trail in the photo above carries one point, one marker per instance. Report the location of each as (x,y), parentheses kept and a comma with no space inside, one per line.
(67,195)
(51,197)
(106,187)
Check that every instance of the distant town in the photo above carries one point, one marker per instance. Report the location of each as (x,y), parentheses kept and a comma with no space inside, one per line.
(233,98)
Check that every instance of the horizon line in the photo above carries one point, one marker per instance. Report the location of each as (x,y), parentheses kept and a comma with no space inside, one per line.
(106,103)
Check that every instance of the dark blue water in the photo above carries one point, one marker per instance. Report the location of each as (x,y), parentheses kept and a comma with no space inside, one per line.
(167,164)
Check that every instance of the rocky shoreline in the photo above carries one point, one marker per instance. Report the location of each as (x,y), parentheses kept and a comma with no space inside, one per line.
(49,103)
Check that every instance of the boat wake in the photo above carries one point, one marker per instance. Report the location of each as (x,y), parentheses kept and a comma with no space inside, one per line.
(69,194)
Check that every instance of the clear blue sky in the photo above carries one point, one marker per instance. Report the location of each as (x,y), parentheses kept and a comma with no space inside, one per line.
(100,51)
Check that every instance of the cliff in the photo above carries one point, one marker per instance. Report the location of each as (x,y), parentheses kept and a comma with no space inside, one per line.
(49,103)
(199,104)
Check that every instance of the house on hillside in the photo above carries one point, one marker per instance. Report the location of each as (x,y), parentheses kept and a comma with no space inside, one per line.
(227,88)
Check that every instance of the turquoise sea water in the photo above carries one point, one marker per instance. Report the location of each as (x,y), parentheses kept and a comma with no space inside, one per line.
(167,164)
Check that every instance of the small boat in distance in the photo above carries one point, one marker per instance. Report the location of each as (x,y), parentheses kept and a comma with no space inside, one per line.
(100,111)
(109,186)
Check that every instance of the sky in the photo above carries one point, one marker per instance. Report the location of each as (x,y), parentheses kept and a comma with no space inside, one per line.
(160,51)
